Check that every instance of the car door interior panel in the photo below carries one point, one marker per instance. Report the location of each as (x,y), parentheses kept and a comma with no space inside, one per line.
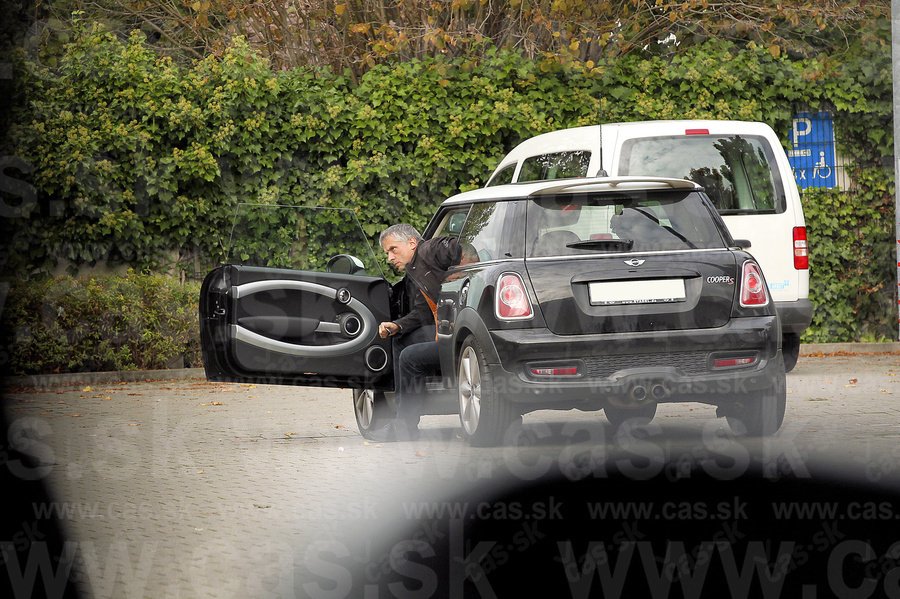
(295,327)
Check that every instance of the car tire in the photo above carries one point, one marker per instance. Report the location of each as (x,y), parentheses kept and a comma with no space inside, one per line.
(790,349)
(640,416)
(760,414)
(484,415)
(371,410)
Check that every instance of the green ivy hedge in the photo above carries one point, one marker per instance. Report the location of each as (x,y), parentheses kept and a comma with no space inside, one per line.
(135,160)
(133,321)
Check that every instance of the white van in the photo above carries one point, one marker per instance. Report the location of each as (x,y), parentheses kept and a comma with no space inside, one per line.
(742,166)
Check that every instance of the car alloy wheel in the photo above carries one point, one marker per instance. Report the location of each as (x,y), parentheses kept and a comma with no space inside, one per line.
(469,390)
(485,415)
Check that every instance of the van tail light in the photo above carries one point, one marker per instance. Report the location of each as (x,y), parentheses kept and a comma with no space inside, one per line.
(801,249)
(696,131)
(753,287)
(511,302)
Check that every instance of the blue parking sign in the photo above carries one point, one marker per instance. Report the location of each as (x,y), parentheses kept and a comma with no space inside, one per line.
(812,154)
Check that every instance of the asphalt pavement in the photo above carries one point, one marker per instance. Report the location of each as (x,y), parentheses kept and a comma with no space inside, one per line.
(186,488)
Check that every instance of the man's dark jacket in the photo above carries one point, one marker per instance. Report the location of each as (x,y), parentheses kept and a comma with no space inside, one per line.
(424,275)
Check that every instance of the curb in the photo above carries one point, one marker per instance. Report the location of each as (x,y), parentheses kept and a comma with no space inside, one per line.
(46,381)
(817,349)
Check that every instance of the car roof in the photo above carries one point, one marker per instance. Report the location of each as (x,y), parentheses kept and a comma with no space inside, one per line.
(588,137)
(567,139)
(517,191)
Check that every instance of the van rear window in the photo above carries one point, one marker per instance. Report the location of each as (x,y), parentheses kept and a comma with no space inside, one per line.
(738,172)
(558,165)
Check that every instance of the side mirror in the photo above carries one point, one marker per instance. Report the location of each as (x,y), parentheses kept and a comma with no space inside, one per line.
(345,264)
(742,243)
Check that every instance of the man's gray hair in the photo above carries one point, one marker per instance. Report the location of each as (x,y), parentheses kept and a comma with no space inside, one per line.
(401,232)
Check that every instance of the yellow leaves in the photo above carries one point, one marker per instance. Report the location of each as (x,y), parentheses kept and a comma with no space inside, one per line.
(340,9)
(361,28)
(774,50)
(574,45)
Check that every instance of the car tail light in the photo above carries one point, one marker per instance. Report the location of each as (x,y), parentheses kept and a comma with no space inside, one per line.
(554,371)
(512,301)
(801,249)
(696,131)
(753,287)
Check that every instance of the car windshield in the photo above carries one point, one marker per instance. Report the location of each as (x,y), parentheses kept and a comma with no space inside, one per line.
(299,238)
(620,222)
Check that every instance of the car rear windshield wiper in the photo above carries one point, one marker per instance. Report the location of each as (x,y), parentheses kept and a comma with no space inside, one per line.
(604,245)
(666,228)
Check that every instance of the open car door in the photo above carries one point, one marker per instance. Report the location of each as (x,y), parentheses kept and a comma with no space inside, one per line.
(299,305)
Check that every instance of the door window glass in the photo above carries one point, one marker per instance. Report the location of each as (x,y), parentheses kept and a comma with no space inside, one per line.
(300,238)
(482,235)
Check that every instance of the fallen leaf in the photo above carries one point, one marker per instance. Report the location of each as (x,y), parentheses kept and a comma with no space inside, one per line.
(134,424)
(262,507)
(75,415)
(340,426)
(216,403)
(87,389)
(853,381)
(289,435)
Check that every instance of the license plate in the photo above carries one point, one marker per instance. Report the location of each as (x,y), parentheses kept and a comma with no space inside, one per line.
(651,291)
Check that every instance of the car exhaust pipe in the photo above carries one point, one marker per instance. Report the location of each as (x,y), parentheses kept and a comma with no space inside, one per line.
(638,393)
(659,392)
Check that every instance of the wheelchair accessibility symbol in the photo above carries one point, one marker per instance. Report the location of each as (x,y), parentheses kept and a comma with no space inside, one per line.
(812,153)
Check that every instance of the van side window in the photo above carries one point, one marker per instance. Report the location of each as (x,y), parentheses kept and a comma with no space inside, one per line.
(503,176)
(559,165)
(738,172)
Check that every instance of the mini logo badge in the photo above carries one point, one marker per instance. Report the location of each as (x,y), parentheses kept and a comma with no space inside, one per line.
(634,262)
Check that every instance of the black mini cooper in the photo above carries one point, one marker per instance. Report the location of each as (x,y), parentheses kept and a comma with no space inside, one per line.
(613,294)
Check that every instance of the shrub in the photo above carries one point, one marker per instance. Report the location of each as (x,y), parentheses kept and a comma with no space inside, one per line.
(66,324)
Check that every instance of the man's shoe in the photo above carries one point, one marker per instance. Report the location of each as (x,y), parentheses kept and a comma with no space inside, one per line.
(395,430)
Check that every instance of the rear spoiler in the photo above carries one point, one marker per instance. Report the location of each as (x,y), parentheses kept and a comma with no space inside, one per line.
(606,183)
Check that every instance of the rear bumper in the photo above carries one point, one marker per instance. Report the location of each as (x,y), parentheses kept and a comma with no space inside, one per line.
(630,368)
(795,316)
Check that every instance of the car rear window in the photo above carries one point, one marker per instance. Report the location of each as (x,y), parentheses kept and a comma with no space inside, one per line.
(637,221)
(558,165)
(736,171)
